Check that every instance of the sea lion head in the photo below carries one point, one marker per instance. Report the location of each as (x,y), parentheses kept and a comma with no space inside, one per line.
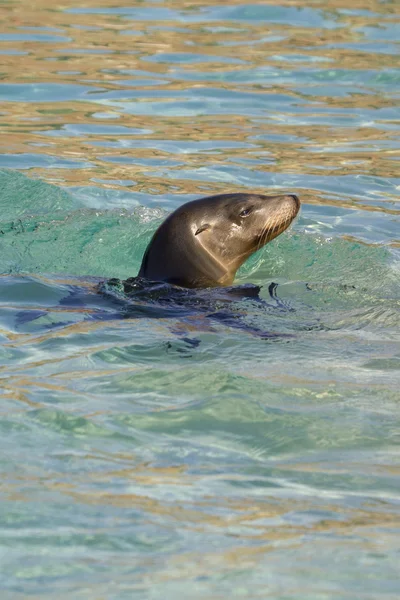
(204,242)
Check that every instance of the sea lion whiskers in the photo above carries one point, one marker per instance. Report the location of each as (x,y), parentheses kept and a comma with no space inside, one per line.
(269,227)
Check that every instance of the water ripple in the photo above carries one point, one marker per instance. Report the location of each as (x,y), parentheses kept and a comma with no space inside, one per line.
(164,452)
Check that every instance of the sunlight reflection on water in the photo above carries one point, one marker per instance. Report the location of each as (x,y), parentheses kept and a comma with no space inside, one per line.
(152,457)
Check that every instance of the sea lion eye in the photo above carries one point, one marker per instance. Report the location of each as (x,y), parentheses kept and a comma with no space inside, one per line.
(202,228)
(245,212)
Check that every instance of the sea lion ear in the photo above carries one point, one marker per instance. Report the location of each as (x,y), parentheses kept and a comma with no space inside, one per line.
(202,228)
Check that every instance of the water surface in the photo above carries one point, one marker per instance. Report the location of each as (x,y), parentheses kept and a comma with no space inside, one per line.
(171,457)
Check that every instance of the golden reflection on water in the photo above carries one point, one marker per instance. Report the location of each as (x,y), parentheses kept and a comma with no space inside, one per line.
(319,150)
(312,149)
(263,523)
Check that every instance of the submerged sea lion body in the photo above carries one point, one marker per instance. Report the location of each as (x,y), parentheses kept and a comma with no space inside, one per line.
(204,242)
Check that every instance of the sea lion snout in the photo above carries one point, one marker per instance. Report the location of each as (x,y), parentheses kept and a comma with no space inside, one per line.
(296,201)
(290,202)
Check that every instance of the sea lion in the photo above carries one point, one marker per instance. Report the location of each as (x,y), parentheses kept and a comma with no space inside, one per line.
(204,242)
(200,245)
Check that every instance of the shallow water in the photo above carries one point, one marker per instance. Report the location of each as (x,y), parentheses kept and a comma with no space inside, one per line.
(182,456)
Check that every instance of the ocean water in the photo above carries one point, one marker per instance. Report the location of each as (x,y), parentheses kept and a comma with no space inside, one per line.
(160,455)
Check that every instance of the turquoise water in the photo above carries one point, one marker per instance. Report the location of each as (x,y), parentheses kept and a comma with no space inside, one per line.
(181,456)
